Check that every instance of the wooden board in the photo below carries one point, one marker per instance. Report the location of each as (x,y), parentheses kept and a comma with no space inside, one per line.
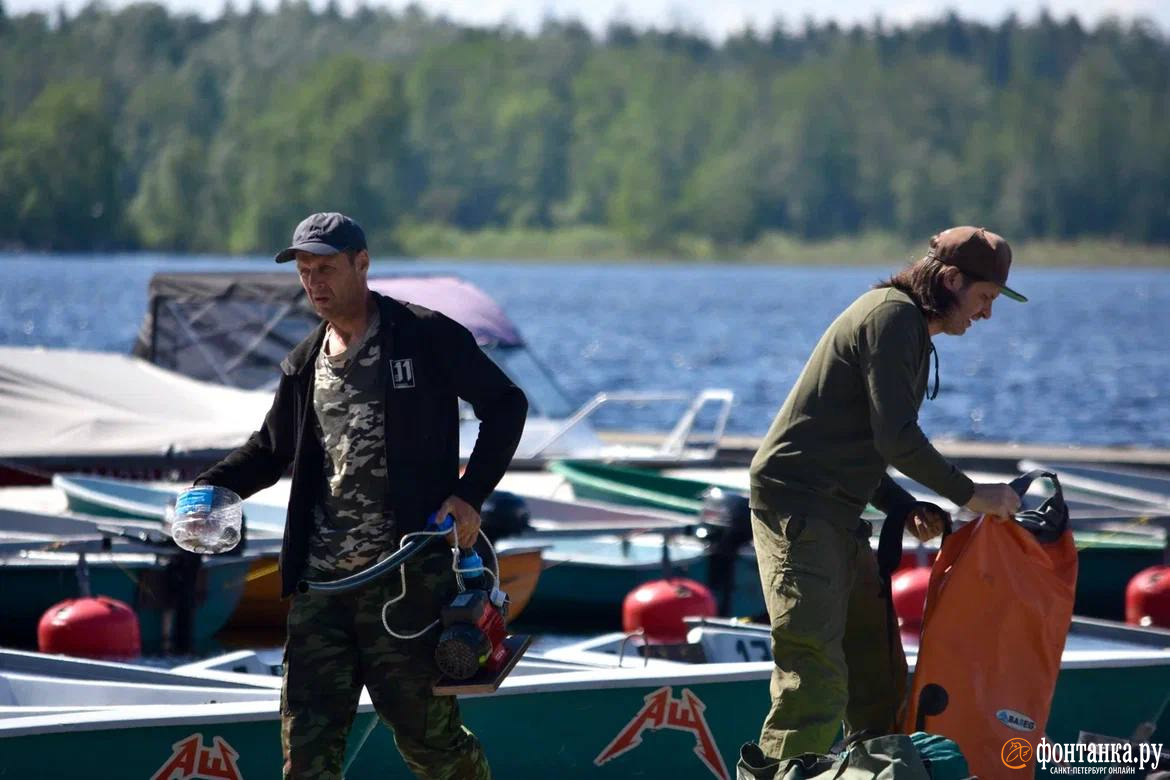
(485,681)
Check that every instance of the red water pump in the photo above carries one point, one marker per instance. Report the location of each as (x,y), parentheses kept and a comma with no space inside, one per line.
(473,627)
(474,652)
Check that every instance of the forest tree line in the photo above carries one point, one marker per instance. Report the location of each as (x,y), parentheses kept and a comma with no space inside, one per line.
(145,129)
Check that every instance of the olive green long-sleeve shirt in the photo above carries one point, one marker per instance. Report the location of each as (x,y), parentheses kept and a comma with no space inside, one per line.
(852,412)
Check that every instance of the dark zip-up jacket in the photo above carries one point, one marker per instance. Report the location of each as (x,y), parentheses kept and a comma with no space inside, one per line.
(431,361)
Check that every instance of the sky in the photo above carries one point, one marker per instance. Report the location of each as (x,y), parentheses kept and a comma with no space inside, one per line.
(714,19)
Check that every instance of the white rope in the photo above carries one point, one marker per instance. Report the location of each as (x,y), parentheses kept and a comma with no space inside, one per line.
(495,575)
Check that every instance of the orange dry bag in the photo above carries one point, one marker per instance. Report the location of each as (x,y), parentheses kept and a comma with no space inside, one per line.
(998,610)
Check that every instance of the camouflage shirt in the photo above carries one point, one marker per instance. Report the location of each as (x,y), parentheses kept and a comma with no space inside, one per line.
(352,526)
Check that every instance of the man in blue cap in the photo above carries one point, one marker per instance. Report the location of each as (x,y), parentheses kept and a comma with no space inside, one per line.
(366,414)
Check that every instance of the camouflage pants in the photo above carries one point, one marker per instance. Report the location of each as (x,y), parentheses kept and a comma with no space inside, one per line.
(336,644)
(831,635)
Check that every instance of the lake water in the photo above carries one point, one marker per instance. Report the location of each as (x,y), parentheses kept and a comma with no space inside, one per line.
(1087,361)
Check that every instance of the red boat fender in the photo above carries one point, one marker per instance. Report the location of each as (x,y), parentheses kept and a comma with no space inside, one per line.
(1147,598)
(922,557)
(658,608)
(908,589)
(99,627)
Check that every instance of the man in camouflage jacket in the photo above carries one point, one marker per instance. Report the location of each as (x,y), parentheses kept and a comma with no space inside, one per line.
(366,414)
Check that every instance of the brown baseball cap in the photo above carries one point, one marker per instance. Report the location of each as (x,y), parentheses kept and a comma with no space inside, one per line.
(977,252)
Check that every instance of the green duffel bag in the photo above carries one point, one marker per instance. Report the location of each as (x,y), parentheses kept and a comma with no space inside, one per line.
(889,757)
(941,756)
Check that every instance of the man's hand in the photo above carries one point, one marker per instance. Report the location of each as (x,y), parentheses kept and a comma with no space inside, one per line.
(925,521)
(466,520)
(996,499)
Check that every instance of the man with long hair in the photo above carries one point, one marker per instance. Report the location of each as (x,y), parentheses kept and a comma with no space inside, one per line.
(852,413)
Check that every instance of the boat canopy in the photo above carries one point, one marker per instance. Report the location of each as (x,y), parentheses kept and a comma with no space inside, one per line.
(58,402)
(235,328)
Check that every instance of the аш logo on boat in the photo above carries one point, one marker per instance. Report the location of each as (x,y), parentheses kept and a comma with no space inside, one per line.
(662,711)
(190,760)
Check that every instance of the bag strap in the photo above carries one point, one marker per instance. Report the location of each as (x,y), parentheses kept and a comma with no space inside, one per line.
(889,557)
(889,552)
(1047,522)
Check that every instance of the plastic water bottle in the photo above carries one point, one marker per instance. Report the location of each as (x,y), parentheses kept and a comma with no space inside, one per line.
(206,519)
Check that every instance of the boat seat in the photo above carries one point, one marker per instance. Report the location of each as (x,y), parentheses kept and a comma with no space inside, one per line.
(41,691)
(7,697)
(732,644)
(684,652)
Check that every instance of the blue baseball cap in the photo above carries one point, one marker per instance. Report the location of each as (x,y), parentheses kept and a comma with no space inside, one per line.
(325,233)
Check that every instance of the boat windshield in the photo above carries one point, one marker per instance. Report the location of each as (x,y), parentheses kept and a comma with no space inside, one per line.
(545,397)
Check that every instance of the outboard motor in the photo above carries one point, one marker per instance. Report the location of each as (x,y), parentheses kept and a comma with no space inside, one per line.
(504,514)
(725,521)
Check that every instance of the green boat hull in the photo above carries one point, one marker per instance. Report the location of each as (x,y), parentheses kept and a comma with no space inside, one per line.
(1107,561)
(231,750)
(1105,565)
(595,589)
(127,499)
(733,713)
(589,578)
(83,506)
(586,725)
(631,487)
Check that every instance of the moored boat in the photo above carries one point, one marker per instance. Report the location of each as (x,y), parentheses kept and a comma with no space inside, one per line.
(1115,537)
(260,607)
(1128,483)
(123,498)
(235,328)
(1113,677)
(657,717)
(586,578)
(35,576)
(598,481)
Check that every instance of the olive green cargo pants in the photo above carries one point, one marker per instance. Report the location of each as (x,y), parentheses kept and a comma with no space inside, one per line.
(336,643)
(830,635)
